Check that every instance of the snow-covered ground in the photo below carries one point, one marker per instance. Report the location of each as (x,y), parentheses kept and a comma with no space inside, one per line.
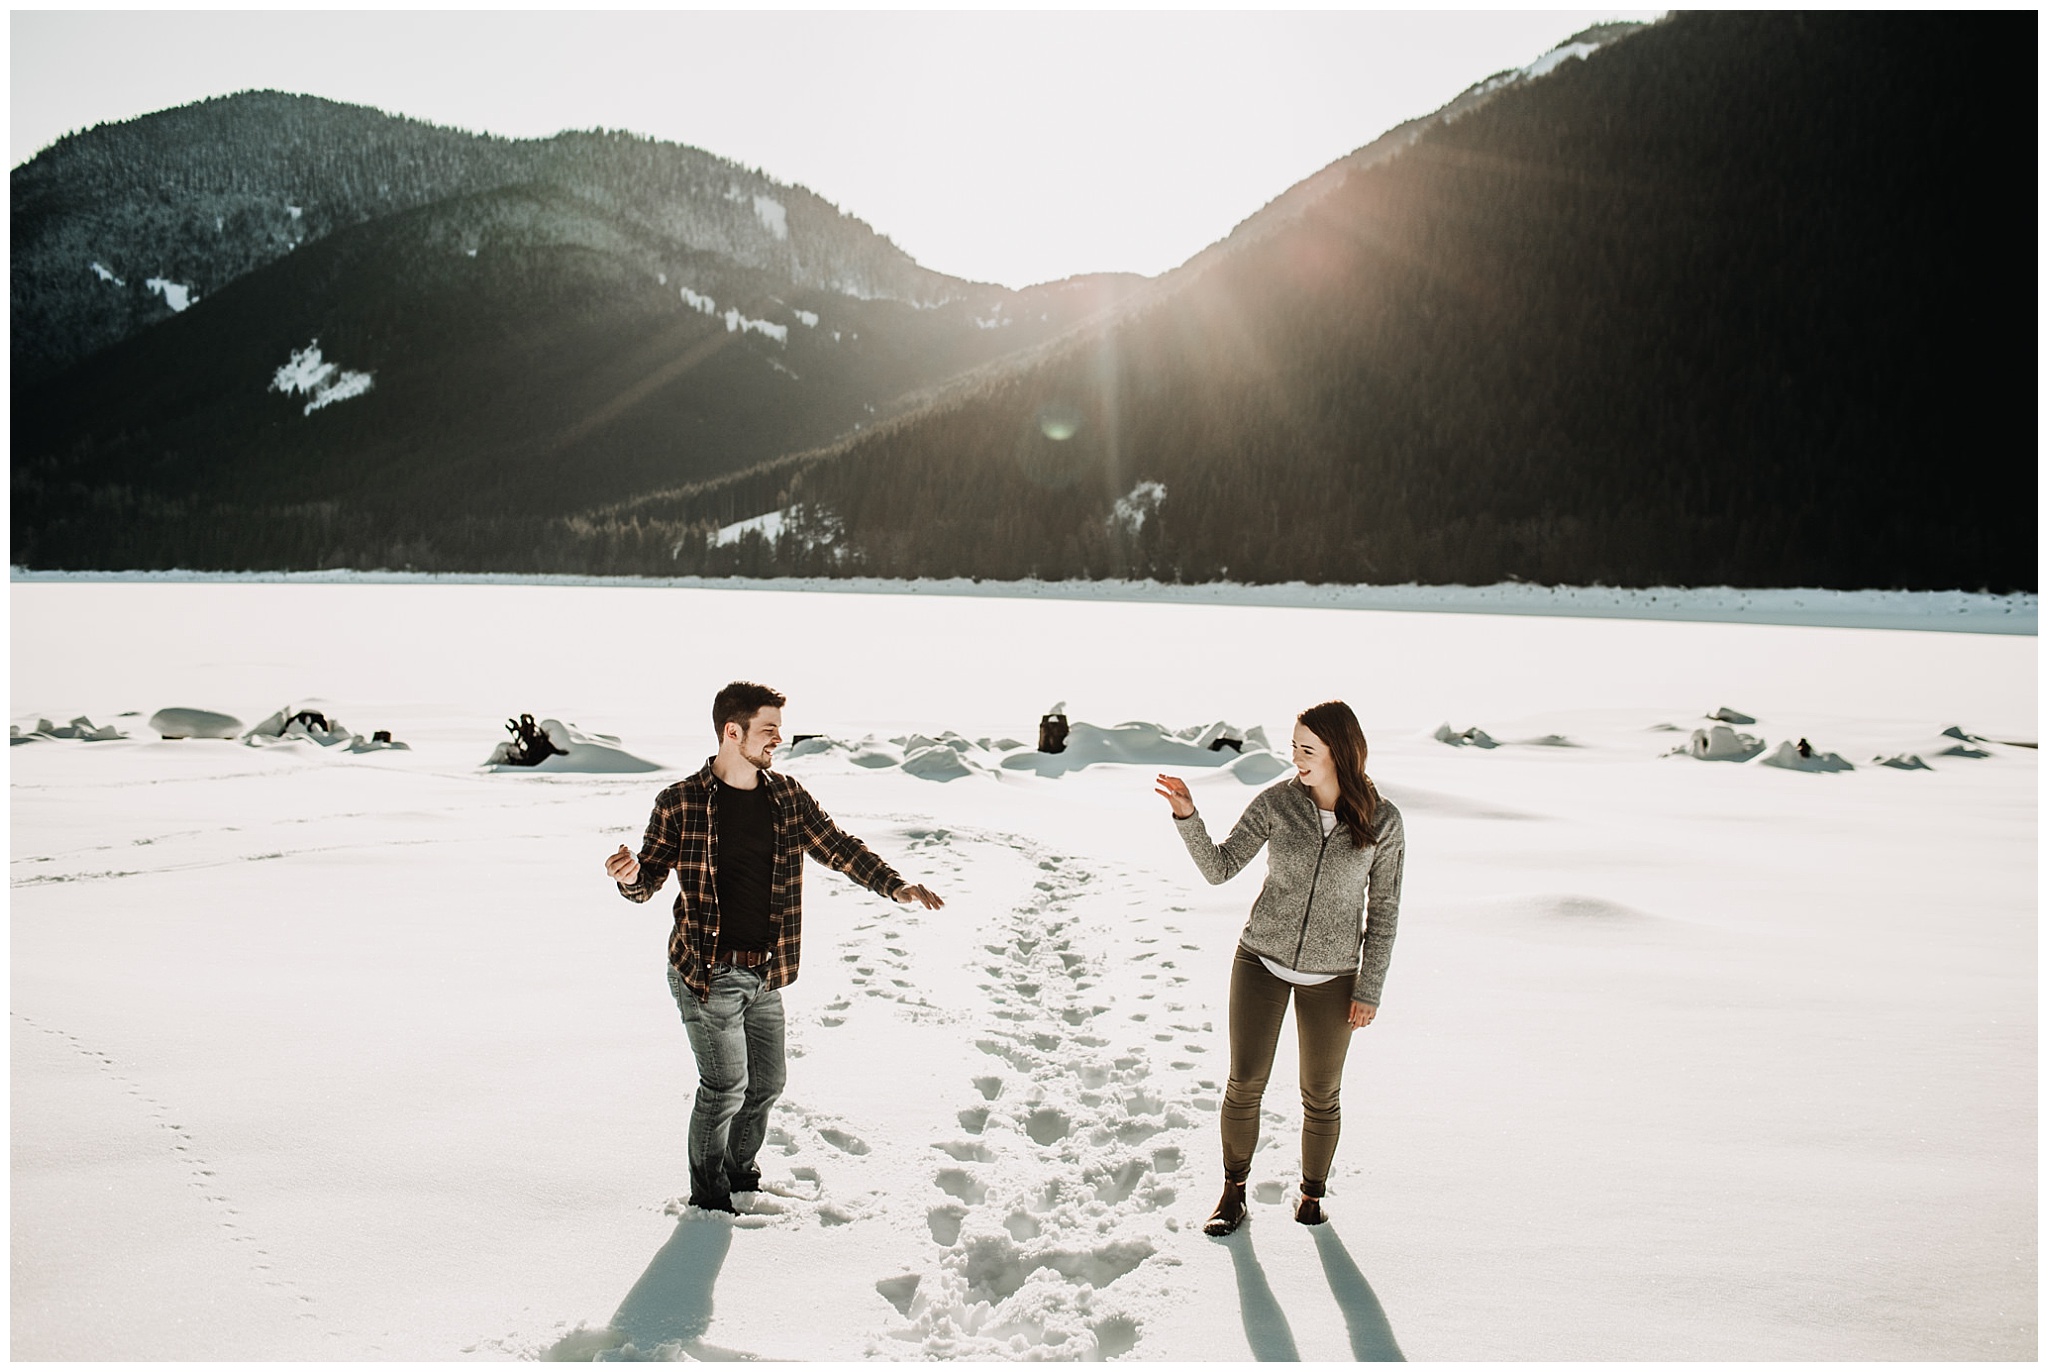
(323,1053)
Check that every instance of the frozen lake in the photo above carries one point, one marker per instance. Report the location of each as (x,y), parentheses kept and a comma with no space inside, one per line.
(331,1055)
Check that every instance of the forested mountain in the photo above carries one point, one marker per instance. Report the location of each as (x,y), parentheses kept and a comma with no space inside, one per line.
(203,194)
(1743,298)
(1721,300)
(409,346)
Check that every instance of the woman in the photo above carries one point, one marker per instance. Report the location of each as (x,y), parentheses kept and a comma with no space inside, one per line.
(1321,931)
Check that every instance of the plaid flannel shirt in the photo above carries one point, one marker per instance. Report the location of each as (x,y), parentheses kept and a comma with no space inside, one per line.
(683,837)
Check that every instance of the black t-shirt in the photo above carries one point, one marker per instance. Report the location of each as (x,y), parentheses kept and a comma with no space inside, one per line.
(746,862)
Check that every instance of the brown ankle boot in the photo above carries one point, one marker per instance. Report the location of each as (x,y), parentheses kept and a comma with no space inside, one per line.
(1309,1210)
(1229,1211)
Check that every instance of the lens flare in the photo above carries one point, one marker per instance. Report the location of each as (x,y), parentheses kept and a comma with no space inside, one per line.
(1059,421)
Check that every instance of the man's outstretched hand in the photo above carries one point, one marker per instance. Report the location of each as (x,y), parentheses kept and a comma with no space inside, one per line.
(921,895)
(622,867)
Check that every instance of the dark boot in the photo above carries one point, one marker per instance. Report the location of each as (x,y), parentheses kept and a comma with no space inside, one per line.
(720,1204)
(1308,1207)
(1229,1211)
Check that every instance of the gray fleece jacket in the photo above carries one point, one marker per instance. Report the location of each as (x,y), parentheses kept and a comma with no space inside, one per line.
(1326,906)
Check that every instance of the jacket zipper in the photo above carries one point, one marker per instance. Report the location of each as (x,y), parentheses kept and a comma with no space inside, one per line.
(1302,942)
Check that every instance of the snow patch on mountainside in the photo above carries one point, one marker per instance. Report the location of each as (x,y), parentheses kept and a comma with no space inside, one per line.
(769,526)
(103,274)
(1557,57)
(309,374)
(177,296)
(699,302)
(735,322)
(773,216)
(1132,510)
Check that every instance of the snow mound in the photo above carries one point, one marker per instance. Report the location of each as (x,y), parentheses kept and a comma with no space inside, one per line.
(80,728)
(581,752)
(1792,757)
(1961,744)
(949,756)
(298,726)
(1722,744)
(1474,737)
(1219,745)
(945,759)
(301,725)
(180,721)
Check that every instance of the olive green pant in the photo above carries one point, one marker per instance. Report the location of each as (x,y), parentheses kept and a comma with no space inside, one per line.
(1322,1020)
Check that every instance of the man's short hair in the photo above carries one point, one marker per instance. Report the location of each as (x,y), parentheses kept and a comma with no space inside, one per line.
(739,702)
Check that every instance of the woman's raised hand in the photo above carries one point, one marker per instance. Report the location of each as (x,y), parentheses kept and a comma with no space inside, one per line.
(1176,792)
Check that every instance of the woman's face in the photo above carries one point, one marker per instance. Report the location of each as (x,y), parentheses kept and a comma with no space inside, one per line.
(1311,759)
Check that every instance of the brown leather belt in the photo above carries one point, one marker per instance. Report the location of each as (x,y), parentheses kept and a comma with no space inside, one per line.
(741,958)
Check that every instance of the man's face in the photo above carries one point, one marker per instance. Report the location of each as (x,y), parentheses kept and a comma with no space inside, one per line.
(762,736)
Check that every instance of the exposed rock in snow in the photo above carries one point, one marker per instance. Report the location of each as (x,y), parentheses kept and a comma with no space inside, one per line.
(1153,745)
(291,725)
(1904,762)
(1961,744)
(951,756)
(1474,737)
(309,374)
(581,752)
(178,721)
(80,728)
(1728,716)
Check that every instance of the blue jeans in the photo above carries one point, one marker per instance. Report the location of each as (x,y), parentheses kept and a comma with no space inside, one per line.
(737,1036)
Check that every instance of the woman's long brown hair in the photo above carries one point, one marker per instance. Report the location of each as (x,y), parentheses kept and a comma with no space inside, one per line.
(1357,798)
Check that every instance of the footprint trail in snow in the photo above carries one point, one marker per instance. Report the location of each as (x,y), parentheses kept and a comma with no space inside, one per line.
(1044,1220)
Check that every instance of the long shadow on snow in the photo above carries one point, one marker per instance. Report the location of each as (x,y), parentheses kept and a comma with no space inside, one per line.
(1365,1320)
(1265,1323)
(670,1304)
(1266,1329)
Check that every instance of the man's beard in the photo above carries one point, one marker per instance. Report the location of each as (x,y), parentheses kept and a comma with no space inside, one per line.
(761,760)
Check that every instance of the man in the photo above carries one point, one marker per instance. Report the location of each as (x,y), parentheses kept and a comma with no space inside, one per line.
(736,834)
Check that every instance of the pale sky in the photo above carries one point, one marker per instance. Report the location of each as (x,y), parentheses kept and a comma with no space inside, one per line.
(1013,147)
